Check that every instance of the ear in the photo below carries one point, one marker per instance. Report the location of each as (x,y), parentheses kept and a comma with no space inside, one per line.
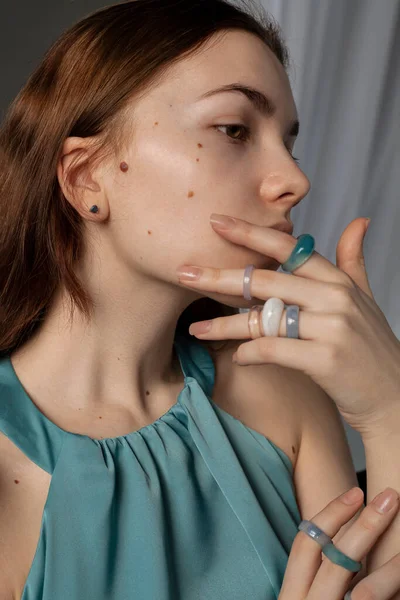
(79,184)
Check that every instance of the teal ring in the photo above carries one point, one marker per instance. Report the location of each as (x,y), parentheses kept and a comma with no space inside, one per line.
(301,252)
(337,557)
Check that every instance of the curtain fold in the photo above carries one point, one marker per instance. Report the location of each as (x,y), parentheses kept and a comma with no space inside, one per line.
(345,78)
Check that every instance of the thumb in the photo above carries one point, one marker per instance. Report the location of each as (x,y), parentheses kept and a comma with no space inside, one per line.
(350,253)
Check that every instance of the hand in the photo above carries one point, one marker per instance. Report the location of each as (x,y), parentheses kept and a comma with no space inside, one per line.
(307,578)
(346,344)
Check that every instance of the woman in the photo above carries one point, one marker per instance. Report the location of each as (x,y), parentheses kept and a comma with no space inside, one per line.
(137,460)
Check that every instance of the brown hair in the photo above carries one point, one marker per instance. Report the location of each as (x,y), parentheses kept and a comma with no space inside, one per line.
(85,82)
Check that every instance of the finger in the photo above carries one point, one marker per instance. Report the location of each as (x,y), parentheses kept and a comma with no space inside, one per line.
(312,326)
(382,583)
(306,293)
(305,555)
(332,580)
(287,352)
(279,245)
(308,356)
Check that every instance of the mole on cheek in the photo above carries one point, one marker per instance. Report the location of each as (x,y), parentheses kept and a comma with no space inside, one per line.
(16,481)
(156,123)
(197,159)
(149,232)
(199,145)
(190,194)
(123,166)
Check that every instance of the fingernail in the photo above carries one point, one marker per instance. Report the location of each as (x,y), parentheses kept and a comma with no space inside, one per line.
(384,501)
(367,222)
(189,273)
(222,222)
(352,496)
(200,327)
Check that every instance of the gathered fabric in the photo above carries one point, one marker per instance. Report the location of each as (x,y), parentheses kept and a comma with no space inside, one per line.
(194,506)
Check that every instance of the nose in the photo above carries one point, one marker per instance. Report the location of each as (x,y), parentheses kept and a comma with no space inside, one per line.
(285,187)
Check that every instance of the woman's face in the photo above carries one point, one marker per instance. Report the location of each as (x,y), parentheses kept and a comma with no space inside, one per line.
(184,163)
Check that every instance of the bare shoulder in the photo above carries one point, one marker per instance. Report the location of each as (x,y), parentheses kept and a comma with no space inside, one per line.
(263,397)
(9,476)
(289,408)
(293,411)
(23,491)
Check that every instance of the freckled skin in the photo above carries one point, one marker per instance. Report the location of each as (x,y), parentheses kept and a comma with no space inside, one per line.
(256,181)
(238,179)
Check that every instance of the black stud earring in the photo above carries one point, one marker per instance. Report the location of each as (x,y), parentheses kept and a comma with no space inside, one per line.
(94,209)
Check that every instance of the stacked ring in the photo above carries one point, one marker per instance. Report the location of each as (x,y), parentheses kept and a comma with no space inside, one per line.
(268,323)
(328,547)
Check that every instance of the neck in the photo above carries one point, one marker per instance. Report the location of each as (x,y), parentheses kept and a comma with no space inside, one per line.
(123,358)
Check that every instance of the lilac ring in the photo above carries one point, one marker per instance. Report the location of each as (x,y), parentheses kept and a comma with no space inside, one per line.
(246,282)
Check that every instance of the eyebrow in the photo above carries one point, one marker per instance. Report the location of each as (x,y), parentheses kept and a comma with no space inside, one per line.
(262,103)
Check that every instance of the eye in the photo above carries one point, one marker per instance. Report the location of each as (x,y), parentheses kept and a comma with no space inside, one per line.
(245,135)
(245,132)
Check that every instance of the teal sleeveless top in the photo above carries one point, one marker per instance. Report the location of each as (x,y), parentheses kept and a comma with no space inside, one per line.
(195,506)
